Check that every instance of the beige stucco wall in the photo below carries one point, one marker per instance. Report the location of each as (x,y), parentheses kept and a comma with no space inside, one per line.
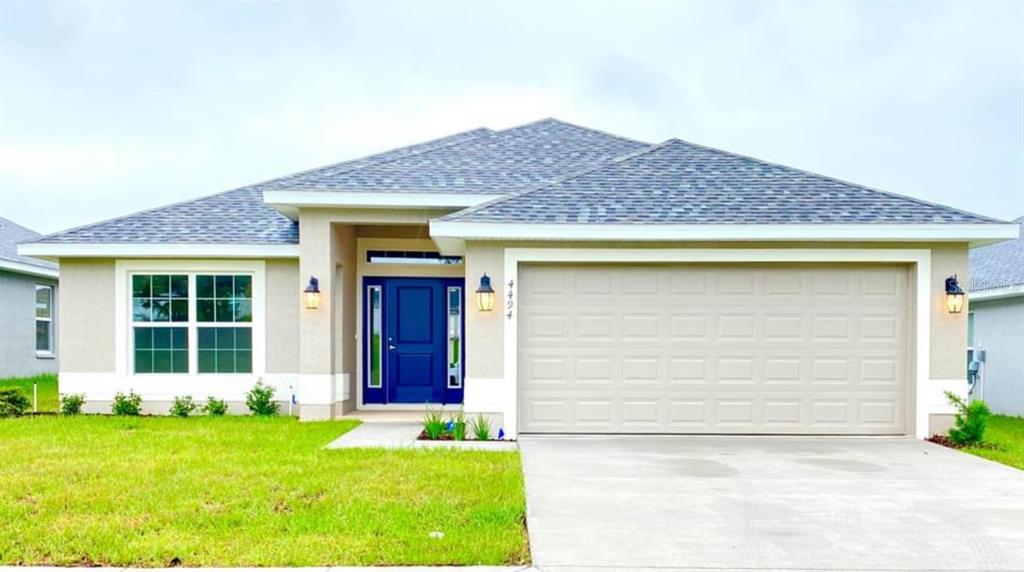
(485,330)
(283,305)
(86,320)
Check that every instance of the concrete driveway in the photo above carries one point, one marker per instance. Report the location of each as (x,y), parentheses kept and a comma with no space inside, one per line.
(789,503)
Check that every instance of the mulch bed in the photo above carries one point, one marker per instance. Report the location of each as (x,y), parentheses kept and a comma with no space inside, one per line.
(443,437)
(945,441)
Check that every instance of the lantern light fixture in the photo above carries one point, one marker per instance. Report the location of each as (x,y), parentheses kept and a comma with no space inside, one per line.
(485,294)
(955,295)
(311,294)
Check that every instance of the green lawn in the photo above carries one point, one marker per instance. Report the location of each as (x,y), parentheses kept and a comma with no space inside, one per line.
(243,491)
(48,399)
(1006,435)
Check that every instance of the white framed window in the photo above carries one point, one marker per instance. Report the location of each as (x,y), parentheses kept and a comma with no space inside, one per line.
(44,320)
(192,318)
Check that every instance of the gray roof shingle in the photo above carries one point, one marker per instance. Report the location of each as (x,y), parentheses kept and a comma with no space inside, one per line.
(999,265)
(480,160)
(681,183)
(12,233)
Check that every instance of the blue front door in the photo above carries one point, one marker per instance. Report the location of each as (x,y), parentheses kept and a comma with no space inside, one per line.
(413,332)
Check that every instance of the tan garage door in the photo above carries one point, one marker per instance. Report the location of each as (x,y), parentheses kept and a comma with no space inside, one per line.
(713,349)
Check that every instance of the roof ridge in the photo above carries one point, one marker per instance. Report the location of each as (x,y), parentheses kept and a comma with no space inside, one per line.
(620,159)
(577,126)
(833,179)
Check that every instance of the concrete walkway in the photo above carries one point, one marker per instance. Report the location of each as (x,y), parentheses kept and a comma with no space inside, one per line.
(695,503)
(310,569)
(393,434)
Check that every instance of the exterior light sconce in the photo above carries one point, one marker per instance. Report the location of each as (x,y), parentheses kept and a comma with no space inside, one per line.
(485,294)
(311,295)
(955,296)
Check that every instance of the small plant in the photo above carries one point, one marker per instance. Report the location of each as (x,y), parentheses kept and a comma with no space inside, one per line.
(71,403)
(481,428)
(433,426)
(183,406)
(130,404)
(260,400)
(970,421)
(457,426)
(13,402)
(215,407)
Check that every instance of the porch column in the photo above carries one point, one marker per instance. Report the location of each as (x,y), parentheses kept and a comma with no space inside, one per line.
(317,257)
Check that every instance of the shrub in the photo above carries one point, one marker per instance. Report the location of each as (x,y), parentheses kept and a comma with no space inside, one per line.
(457,426)
(970,421)
(433,426)
(71,403)
(13,402)
(130,404)
(481,428)
(260,400)
(215,407)
(183,406)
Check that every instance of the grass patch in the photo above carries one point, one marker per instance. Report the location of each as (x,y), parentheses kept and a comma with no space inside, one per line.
(245,491)
(1004,441)
(48,397)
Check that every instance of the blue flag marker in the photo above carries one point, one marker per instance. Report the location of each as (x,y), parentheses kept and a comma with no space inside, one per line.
(501,433)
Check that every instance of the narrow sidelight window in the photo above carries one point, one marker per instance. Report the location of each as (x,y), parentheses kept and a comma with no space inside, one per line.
(44,320)
(375,325)
(455,348)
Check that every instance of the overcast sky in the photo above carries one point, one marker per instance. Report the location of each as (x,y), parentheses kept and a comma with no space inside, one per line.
(109,108)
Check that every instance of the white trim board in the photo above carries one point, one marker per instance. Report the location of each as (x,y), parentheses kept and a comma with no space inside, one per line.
(287,201)
(55,250)
(919,258)
(995,293)
(976,234)
(30,269)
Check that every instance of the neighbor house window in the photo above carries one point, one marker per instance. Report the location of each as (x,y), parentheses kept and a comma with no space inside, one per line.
(44,320)
(177,321)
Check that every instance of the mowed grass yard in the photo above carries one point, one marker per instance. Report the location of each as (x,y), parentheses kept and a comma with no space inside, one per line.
(49,400)
(243,491)
(1005,441)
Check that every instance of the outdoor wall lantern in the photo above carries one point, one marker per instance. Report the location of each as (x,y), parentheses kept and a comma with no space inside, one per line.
(485,294)
(954,295)
(312,294)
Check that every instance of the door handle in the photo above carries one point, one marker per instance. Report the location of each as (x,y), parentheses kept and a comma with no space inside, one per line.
(391,347)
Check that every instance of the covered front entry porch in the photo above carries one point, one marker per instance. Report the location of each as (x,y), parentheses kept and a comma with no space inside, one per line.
(388,330)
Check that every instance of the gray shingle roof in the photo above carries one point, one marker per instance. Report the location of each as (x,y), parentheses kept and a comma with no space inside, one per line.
(497,162)
(238,216)
(11,234)
(682,183)
(999,265)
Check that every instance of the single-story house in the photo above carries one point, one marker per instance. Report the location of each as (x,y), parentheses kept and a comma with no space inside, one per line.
(637,288)
(28,307)
(995,332)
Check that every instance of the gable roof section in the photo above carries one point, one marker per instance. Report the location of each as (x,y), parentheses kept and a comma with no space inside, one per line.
(680,183)
(497,162)
(11,234)
(238,216)
(999,266)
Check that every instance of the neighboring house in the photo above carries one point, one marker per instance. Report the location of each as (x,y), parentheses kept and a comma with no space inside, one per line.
(996,324)
(28,307)
(669,288)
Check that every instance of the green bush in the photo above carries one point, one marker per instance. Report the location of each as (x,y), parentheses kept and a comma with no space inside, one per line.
(215,407)
(433,425)
(130,404)
(71,403)
(183,406)
(13,402)
(260,400)
(970,421)
(481,428)
(457,426)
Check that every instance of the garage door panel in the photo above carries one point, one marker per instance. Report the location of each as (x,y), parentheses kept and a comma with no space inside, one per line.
(713,349)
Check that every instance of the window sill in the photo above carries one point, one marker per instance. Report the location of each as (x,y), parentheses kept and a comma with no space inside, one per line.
(45,355)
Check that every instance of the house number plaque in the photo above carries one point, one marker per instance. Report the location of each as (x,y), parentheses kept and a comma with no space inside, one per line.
(510,304)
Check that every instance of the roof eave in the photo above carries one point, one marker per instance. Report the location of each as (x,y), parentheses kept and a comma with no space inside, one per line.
(29,269)
(289,201)
(975,234)
(57,250)
(1011,291)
